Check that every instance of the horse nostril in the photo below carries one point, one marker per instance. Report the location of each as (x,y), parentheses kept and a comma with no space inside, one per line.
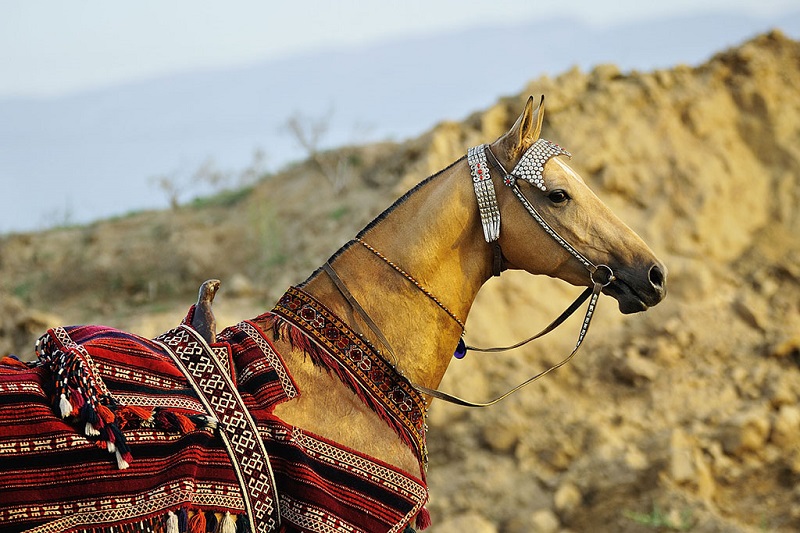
(657,277)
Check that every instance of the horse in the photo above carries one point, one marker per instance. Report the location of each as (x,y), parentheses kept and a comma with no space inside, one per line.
(311,416)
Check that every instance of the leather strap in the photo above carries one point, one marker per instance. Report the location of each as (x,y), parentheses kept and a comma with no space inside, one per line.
(497,260)
(595,292)
(360,310)
(553,325)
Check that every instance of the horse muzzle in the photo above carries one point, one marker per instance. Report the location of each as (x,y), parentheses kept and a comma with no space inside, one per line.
(638,289)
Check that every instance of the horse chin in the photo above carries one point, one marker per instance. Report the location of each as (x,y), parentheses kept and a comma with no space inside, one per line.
(630,306)
(629,302)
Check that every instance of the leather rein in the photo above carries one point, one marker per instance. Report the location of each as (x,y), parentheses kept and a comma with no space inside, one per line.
(529,168)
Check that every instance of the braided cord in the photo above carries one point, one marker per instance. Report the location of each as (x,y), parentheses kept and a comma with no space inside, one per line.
(416,283)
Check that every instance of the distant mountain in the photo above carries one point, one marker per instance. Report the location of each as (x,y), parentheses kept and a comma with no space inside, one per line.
(91,155)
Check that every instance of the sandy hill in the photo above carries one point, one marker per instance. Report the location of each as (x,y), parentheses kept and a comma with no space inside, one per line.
(683,418)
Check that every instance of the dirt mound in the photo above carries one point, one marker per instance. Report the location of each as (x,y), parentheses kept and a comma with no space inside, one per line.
(686,417)
(682,418)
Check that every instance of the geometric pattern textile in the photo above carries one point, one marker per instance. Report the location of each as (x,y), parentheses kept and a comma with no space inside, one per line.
(194,357)
(332,344)
(107,434)
(325,487)
(56,473)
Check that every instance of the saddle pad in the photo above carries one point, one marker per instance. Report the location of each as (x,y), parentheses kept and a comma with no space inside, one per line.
(121,394)
(325,487)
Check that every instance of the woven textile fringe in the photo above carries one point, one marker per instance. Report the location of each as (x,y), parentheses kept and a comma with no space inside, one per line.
(81,397)
(284,330)
(182,520)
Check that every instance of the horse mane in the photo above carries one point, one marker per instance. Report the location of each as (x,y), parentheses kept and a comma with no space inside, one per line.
(386,212)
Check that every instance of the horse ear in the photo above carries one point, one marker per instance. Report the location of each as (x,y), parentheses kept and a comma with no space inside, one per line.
(525,131)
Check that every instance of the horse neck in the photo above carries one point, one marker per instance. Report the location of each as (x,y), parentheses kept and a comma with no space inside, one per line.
(434,235)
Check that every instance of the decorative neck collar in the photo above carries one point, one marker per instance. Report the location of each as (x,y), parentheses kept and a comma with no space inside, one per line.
(332,344)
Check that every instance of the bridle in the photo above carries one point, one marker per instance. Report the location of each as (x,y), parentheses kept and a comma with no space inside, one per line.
(529,168)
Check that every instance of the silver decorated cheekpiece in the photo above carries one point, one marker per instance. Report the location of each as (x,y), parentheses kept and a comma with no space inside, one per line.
(529,168)
(484,191)
(531,164)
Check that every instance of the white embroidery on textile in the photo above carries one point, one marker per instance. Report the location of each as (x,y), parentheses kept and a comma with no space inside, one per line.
(312,518)
(273,358)
(143,400)
(248,456)
(342,459)
(125,508)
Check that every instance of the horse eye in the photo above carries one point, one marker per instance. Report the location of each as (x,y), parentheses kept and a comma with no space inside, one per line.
(558,196)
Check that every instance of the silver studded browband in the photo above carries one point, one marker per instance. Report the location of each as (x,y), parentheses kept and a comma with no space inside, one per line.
(529,168)
(531,164)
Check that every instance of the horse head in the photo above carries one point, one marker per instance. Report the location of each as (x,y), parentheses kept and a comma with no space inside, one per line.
(585,233)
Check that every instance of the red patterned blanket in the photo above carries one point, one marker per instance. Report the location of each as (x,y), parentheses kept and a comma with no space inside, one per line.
(109,431)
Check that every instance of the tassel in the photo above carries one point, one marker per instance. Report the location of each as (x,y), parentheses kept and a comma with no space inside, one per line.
(111,447)
(185,425)
(132,413)
(197,523)
(140,412)
(172,522)
(11,360)
(242,524)
(77,401)
(105,413)
(90,416)
(109,435)
(91,431)
(211,522)
(183,520)
(122,464)
(64,406)
(423,519)
(87,413)
(123,450)
(226,525)
(163,420)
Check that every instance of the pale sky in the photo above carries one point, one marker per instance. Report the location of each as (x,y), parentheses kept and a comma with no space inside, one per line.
(53,47)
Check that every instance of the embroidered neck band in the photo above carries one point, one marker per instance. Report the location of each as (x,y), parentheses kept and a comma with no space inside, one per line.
(335,346)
